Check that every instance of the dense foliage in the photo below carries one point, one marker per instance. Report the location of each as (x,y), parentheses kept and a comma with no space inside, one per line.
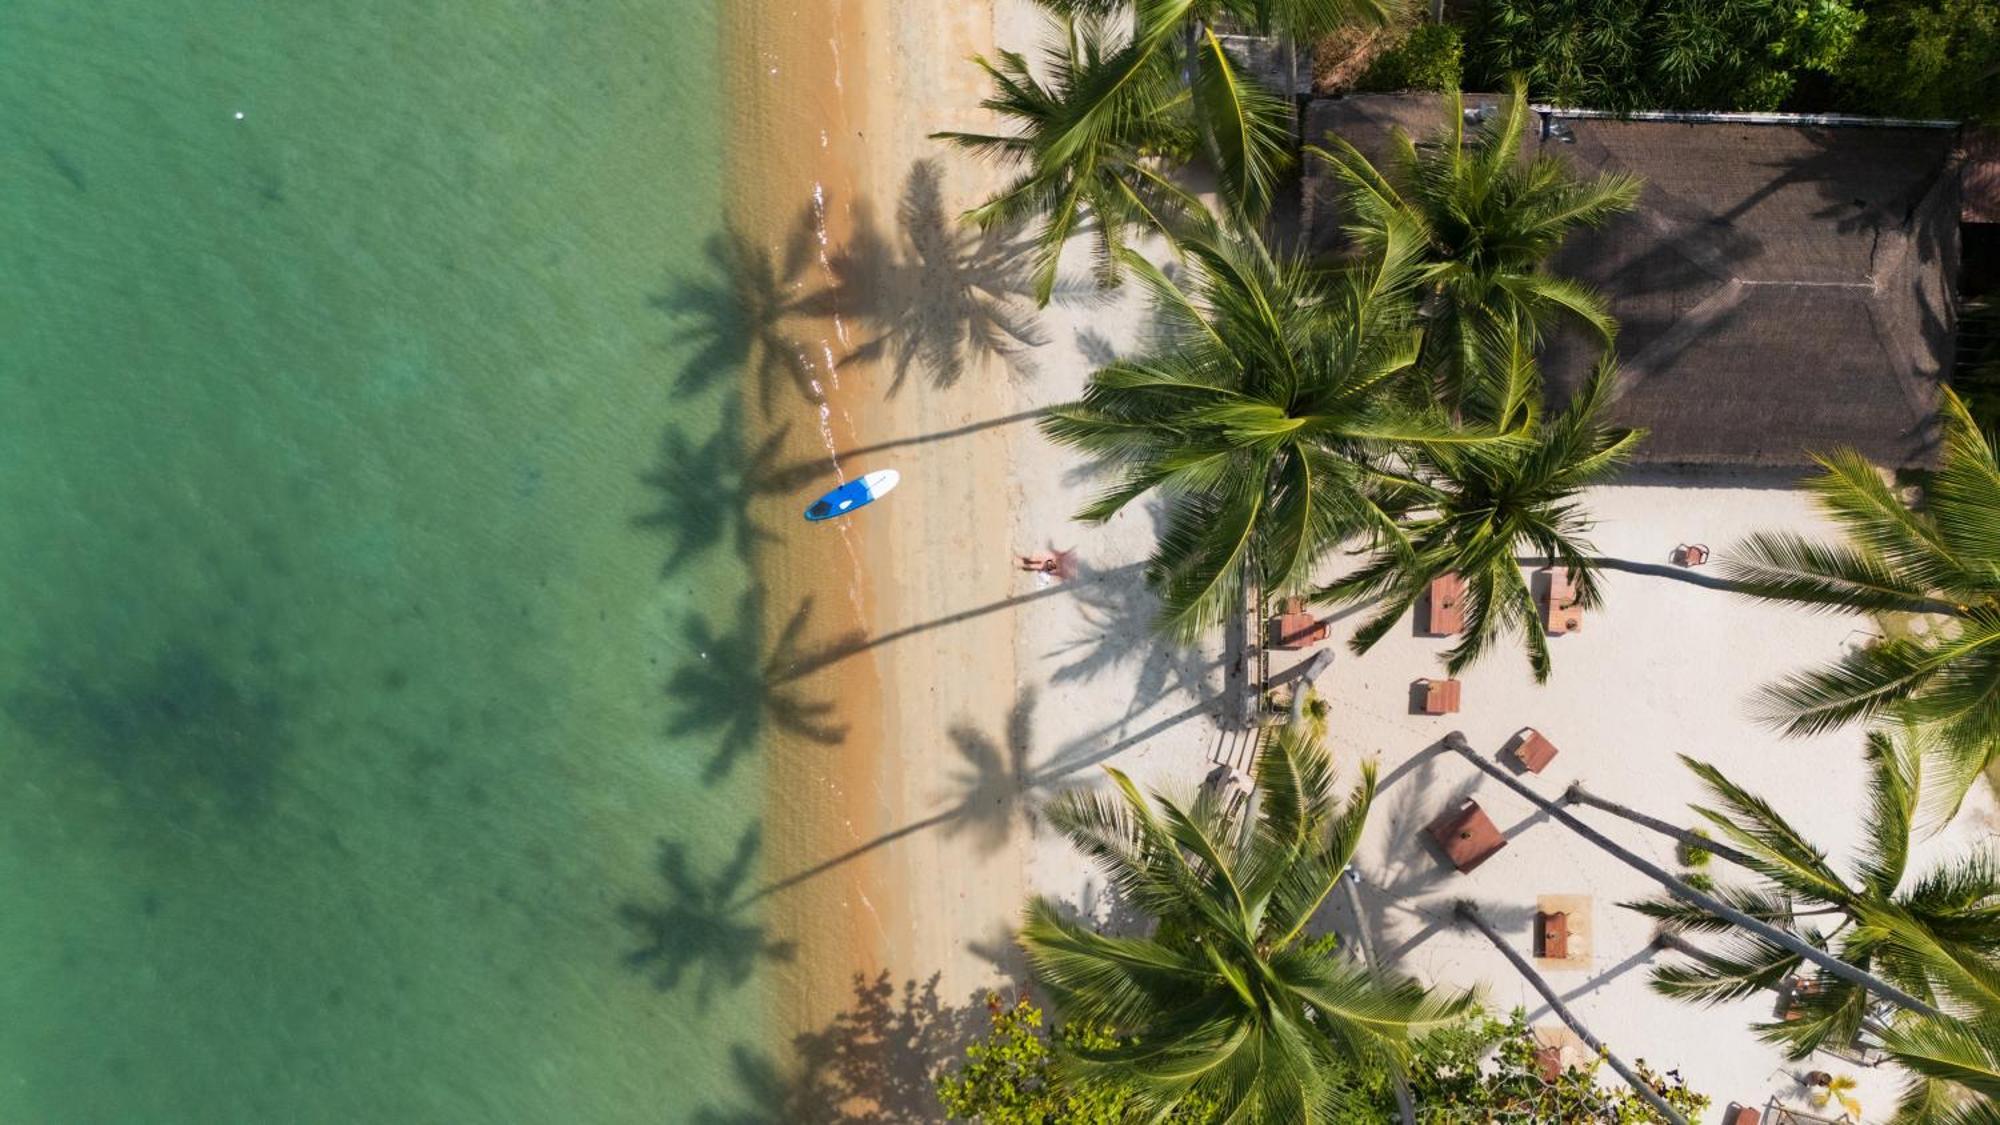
(1660,54)
(1484,1070)
(1926,58)
(1008,1078)
(1431,57)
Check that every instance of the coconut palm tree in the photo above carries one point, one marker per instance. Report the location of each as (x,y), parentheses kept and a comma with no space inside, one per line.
(1165,90)
(1469,913)
(1273,390)
(1718,907)
(1488,220)
(1228,1001)
(1941,559)
(1955,1068)
(1880,919)
(1471,509)
(1110,177)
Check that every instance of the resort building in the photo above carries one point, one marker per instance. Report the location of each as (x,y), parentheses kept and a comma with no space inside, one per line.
(1783,286)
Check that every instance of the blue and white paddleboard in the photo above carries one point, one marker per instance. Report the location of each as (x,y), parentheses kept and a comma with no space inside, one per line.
(856,493)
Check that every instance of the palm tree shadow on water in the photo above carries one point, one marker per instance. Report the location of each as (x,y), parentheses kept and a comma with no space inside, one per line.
(697,931)
(735,316)
(735,688)
(872,1064)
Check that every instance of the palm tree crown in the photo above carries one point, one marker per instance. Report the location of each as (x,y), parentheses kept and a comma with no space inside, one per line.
(1471,509)
(1921,934)
(1109,176)
(1092,144)
(1488,219)
(1943,559)
(1273,388)
(1227,1002)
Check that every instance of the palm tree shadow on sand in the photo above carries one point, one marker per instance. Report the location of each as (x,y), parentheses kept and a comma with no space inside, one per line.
(734,689)
(942,296)
(873,1064)
(697,931)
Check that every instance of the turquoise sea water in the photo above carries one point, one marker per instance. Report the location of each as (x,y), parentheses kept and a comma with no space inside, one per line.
(341,774)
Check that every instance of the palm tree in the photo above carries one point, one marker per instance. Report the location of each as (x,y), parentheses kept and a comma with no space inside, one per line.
(1488,220)
(1111,175)
(1948,917)
(1725,911)
(1467,912)
(1955,1068)
(1227,1001)
(1942,559)
(1164,90)
(1274,390)
(1471,509)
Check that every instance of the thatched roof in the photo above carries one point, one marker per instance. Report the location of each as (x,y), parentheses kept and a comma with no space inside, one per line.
(1781,288)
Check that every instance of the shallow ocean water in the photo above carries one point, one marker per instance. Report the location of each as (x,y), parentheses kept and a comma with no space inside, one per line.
(355,361)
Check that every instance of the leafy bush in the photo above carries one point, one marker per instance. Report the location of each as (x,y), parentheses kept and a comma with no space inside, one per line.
(1927,58)
(1450,1086)
(1432,57)
(1008,1078)
(1693,855)
(1661,54)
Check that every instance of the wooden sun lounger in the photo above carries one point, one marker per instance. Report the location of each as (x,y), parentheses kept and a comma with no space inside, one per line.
(1468,836)
(1440,696)
(1552,936)
(1446,605)
(1294,628)
(1560,613)
(1533,751)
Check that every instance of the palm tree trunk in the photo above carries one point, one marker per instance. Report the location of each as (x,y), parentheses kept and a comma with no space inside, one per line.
(1788,942)
(1710,582)
(1640,1086)
(1576,794)
(1406,1106)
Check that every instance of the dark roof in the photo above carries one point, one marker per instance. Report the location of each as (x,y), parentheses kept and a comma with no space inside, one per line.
(1981,181)
(1781,289)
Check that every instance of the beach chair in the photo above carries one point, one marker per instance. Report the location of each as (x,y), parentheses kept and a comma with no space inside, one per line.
(1446,606)
(1533,751)
(1552,936)
(1440,696)
(1468,836)
(1294,628)
(1560,612)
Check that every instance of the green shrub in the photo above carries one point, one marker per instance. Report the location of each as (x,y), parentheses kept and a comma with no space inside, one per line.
(1693,855)
(1926,58)
(1008,1077)
(1432,57)
(1660,54)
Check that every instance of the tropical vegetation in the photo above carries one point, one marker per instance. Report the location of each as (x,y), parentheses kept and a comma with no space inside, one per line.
(1258,418)
(1661,54)
(1486,220)
(1940,671)
(1920,931)
(1228,1000)
(1135,90)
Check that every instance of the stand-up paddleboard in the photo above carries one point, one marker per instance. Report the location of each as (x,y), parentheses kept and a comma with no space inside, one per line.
(857,493)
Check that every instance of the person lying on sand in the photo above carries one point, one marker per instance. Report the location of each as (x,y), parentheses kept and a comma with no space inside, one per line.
(1060,563)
